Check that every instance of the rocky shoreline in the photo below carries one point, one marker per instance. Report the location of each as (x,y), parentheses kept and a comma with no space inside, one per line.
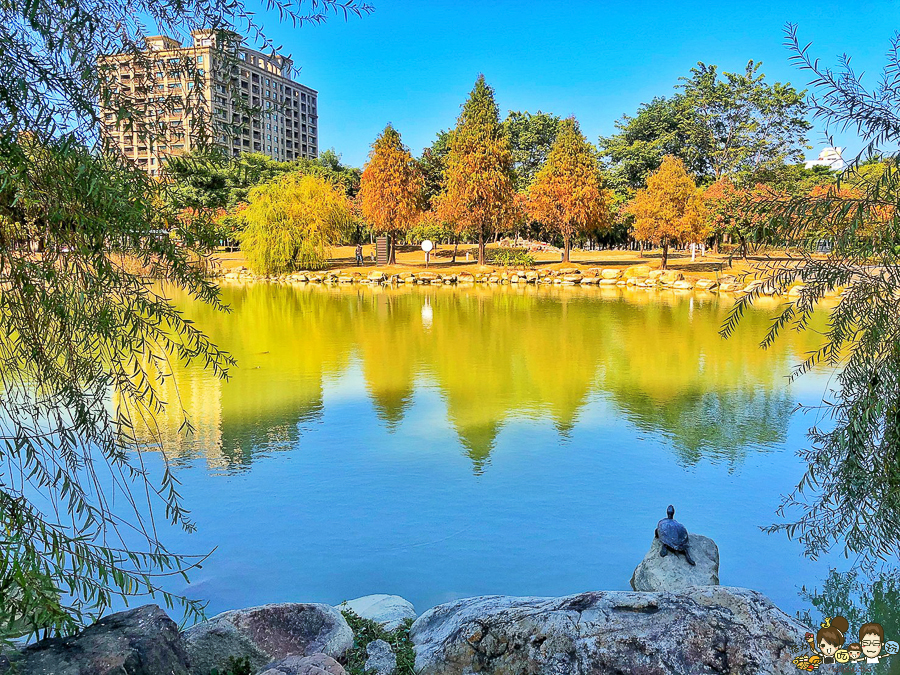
(635,276)
(680,622)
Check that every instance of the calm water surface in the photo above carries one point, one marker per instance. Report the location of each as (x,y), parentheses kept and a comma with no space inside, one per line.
(439,442)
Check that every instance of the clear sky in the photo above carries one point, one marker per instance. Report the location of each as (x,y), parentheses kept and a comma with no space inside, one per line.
(413,62)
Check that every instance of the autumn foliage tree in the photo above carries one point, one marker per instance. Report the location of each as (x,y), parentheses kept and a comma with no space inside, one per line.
(567,195)
(292,222)
(478,176)
(391,193)
(670,209)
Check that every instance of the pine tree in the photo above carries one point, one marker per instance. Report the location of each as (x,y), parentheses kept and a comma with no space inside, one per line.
(670,209)
(392,187)
(567,195)
(478,179)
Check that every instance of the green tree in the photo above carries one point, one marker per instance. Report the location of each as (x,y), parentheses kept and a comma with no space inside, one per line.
(665,126)
(478,178)
(291,223)
(84,340)
(530,140)
(745,123)
(432,163)
(850,493)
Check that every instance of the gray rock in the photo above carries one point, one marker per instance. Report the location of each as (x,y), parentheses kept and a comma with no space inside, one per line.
(382,660)
(388,610)
(703,631)
(140,641)
(267,633)
(672,571)
(317,664)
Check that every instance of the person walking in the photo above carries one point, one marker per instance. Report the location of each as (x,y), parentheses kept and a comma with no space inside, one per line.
(359,255)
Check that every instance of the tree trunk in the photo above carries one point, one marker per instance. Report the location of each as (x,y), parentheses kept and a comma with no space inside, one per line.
(455,247)
(743,246)
(642,248)
(565,249)
(392,250)
(481,246)
(665,256)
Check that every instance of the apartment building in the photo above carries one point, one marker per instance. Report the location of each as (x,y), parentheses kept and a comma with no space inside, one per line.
(247,99)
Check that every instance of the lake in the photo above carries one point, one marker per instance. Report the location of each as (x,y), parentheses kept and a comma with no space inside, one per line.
(443,442)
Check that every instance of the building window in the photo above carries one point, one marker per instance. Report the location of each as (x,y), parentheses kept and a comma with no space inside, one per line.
(200,59)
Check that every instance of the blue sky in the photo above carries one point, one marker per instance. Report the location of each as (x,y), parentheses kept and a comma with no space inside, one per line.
(413,62)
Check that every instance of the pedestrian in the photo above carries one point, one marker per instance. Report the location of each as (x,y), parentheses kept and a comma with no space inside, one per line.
(359,255)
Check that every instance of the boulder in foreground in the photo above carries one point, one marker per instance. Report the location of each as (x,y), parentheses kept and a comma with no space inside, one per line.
(701,631)
(265,634)
(140,641)
(316,664)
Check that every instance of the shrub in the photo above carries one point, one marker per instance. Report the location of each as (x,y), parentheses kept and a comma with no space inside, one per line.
(510,257)
(366,631)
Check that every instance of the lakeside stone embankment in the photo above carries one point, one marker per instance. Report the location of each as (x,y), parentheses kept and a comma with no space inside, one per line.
(635,276)
(682,628)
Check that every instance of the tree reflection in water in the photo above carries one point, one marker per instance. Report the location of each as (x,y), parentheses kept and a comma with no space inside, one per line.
(494,355)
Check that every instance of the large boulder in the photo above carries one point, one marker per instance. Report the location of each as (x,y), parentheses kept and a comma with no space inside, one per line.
(672,572)
(388,610)
(702,631)
(316,664)
(140,641)
(267,633)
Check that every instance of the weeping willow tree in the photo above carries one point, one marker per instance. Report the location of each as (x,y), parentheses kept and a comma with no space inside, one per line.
(850,494)
(291,223)
(85,338)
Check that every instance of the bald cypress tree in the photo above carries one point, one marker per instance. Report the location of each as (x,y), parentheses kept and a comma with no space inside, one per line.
(567,195)
(478,181)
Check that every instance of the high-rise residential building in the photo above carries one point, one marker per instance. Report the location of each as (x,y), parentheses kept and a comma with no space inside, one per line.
(248,101)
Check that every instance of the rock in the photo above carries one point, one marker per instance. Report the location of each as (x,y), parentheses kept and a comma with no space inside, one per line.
(611,273)
(609,282)
(672,572)
(705,284)
(585,281)
(427,277)
(267,633)
(796,290)
(670,277)
(569,270)
(706,630)
(140,641)
(382,660)
(729,287)
(572,278)
(317,664)
(376,277)
(637,271)
(683,285)
(388,610)
(465,277)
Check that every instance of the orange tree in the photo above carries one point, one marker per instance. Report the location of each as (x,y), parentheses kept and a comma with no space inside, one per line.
(478,175)
(670,209)
(566,195)
(390,195)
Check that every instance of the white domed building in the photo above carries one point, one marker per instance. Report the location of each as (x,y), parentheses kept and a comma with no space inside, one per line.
(830,157)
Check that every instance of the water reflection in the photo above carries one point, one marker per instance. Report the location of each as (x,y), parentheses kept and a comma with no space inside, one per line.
(493,354)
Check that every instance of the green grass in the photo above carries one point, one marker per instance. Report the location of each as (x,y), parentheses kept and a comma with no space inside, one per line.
(366,631)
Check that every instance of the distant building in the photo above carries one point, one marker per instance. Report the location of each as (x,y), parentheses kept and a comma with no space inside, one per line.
(263,82)
(830,157)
